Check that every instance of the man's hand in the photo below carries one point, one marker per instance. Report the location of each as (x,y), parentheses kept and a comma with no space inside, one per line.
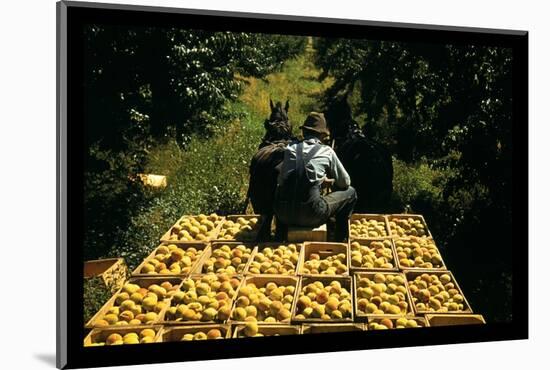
(327,183)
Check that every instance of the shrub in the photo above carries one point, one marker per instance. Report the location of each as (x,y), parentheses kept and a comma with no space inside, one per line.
(96,294)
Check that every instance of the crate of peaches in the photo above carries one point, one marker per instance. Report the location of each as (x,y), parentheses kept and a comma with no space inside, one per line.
(321,258)
(226,258)
(240,228)
(253,329)
(171,259)
(201,228)
(372,255)
(436,292)
(384,323)
(404,225)
(274,258)
(414,252)
(381,294)
(323,299)
(367,226)
(265,299)
(194,332)
(202,299)
(141,301)
(123,335)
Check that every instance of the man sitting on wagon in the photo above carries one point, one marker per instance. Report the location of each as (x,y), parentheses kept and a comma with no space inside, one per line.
(307,166)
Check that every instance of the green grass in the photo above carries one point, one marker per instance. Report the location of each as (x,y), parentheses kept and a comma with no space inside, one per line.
(211,175)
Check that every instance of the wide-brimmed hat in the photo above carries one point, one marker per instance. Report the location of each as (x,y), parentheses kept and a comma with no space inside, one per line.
(316,122)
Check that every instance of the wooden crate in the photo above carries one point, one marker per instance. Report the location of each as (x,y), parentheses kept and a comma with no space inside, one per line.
(197,245)
(366,269)
(370,275)
(165,321)
(324,250)
(414,217)
(302,234)
(426,240)
(332,328)
(369,216)
(143,282)
(199,267)
(261,281)
(421,321)
(262,246)
(175,333)
(113,271)
(249,238)
(412,274)
(97,333)
(345,281)
(166,236)
(454,319)
(268,330)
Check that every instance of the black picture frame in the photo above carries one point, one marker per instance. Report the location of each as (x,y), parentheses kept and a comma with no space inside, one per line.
(72,16)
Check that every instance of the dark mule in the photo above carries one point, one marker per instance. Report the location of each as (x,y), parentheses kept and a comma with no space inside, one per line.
(265,166)
(368,162)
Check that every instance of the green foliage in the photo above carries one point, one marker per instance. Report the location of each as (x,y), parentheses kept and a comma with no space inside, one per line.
(96,294)
(417,186)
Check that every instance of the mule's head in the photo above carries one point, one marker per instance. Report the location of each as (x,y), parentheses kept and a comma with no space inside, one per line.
(278,112)
(278,126)
(340,120)
(338,113)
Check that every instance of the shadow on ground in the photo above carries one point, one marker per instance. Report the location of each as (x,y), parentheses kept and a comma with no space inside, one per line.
(47,358)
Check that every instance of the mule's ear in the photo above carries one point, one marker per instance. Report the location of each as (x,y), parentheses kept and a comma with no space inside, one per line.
(286,105)
(271,104)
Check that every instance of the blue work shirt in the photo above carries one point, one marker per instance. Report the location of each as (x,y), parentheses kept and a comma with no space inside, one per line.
(325,164)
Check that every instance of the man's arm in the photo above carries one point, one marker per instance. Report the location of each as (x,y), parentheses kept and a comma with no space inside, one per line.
(338,172)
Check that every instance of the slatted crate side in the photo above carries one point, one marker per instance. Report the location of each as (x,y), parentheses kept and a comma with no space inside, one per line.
(421,321)
(332,328)
(113,271)
(143,282)
(232,244)
(261,281)
(233,218)
(99,267)
(443,267)
(196,277)
(175,333)
(324,250)
(165,238)
(412,274)
(202,246)
(103,333)
(391,217)
(300,234)
(345,281)
(268,330)
(377,269)
(364,316)
(274,245)
(369,216)
(454,319)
